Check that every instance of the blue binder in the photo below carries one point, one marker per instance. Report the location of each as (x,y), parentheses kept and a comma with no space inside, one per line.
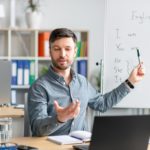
(82,67)
(20,72)
(14,72)
(26,72)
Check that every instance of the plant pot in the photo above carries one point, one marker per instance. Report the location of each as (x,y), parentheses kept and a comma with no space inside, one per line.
(33,19)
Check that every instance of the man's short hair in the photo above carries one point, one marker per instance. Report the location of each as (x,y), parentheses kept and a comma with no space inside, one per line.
(61,33)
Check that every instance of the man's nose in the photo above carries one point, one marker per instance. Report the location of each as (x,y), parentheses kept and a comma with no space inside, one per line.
(63,53)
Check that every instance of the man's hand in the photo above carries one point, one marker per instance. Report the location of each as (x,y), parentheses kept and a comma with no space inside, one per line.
(137,74)
(70,112)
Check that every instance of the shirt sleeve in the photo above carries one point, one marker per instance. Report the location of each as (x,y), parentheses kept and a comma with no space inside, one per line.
(104,102)
(41,123)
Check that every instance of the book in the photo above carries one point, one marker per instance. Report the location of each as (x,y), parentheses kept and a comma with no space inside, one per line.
(19,106)
(79,48)
(43,44)
(75,137)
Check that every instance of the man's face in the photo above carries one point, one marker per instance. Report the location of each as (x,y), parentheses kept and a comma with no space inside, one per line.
(63,52)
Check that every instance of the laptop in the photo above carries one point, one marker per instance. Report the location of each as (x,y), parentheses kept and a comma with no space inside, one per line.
(5,82)
(119,133)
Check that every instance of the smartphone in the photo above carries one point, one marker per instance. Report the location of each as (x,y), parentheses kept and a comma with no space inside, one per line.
(25,147)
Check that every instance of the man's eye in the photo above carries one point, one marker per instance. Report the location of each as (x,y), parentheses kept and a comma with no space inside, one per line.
(68,49)
(56,49)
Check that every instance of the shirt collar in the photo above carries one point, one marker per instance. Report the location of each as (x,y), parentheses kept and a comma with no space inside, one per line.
(59,78)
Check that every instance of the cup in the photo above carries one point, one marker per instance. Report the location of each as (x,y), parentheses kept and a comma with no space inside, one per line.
(5,129)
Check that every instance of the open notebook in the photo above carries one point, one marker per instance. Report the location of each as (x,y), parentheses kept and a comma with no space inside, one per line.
(72,138)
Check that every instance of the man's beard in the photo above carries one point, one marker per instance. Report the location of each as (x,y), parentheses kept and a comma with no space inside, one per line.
(55,64)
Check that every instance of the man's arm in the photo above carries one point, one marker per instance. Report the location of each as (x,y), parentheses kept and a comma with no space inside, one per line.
(106,101)
(41,123)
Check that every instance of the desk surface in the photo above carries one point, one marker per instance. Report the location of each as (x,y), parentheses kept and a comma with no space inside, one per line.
(43,144)
(11,112)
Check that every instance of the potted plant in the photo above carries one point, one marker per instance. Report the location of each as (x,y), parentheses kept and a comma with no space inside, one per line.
(33,14)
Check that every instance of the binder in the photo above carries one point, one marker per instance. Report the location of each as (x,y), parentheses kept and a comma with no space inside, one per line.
(14,72)
(82,67)
(32,72)
(26,70)
(20,72)
(13,97)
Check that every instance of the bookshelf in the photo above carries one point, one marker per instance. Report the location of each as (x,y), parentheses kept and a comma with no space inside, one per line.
(22,46)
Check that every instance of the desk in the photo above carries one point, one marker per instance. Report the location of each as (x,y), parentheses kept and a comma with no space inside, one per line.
(40,142)
(43,144)
(11,112)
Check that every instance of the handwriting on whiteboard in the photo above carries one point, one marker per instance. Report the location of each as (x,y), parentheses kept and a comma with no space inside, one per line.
(122,66)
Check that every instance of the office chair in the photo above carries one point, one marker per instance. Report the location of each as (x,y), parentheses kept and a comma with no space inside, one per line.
(27,128)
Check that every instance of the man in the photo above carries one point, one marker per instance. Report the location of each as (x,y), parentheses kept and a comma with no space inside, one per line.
(58,100)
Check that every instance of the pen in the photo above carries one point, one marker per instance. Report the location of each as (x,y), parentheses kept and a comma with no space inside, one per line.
(138,54)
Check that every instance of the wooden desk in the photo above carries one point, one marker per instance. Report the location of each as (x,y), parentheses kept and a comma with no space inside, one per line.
(43,144)
(11,112)
(40,142)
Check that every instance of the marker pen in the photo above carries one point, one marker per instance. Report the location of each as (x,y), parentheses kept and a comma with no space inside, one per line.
(138,54)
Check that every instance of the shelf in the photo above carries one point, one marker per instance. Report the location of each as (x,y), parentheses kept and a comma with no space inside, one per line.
(21,45)
(22,58)
(44,58)
(82,58)
(4,58)
(20,86)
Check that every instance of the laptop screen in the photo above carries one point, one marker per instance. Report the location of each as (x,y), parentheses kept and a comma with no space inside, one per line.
(5,82)
(120,133)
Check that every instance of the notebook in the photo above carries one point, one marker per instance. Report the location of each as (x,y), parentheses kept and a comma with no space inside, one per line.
(72,138)
(119,133)
(5,82)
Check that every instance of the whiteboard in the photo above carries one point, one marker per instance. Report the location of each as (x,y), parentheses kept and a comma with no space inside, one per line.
(127,27)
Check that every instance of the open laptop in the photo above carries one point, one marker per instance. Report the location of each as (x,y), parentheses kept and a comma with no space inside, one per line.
(119,133)
(5,82)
